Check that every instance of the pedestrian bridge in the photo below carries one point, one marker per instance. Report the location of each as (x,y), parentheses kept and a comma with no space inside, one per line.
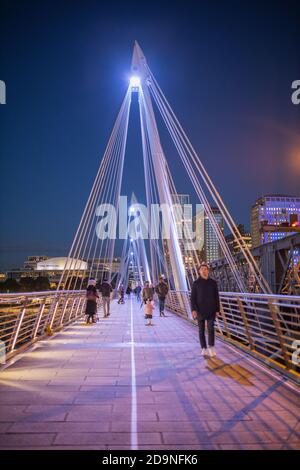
(119,384)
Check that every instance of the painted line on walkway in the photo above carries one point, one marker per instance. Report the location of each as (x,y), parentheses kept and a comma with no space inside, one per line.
(134,436)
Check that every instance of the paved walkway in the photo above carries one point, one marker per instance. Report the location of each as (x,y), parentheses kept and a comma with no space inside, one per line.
(121,385)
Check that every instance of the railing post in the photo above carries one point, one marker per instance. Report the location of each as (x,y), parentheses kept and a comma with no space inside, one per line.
(38,321)
(70,316)
(246,323)
(77,309)
(224,321)
(82,312)
(54,312)
(64,310)
(21,316)
(83,305)
(274,314)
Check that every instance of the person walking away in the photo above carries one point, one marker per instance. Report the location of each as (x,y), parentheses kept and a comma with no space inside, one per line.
(138,292)
(106,291)
(121,294)
(149,307)
(162,290)
(91,302)
(128,291)
(205,306)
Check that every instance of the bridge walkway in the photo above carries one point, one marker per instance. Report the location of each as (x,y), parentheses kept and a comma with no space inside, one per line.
(119,384)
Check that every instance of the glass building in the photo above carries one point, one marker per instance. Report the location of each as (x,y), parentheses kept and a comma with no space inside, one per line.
(274,217)
(212,248)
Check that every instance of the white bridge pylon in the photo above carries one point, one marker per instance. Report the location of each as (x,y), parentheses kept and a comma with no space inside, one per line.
(95,237)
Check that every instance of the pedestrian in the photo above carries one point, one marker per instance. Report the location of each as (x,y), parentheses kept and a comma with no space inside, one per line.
(91,302)
(121,294)
(149,307)
(162,290)
(128,291)
(138,292)
(147,293)
(106,291)
(205,305)
(152,289)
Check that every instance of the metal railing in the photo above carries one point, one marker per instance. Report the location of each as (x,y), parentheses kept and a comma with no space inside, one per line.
(27,317)
(266,326)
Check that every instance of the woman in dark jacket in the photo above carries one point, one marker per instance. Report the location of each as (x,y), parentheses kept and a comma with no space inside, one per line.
(91,301)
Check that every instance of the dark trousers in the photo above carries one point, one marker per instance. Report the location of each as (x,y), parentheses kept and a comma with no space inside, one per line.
(211,332)
(161,304)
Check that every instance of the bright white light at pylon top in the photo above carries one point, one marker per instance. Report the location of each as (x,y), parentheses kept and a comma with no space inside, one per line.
(135,81)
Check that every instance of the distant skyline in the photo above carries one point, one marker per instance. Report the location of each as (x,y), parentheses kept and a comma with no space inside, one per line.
(225,67)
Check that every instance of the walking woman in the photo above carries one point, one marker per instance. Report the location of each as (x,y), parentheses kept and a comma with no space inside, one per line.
(91,302)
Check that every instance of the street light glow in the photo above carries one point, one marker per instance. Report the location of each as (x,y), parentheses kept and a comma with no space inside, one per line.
(135,81)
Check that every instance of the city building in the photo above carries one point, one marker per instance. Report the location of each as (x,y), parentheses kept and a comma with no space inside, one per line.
(191,230)
(99,266)
(233,244)
(274,217)
(50,268)
(198,228)
(212,248)
(32,261)
(61,263)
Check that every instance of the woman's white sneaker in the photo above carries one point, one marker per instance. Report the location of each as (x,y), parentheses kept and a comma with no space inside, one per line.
(212,352)
(204,352)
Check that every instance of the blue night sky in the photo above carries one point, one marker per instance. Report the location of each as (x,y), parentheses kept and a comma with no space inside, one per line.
(226,68)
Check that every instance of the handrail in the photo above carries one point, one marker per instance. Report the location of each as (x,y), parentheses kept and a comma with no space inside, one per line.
(26,317)
(263,325)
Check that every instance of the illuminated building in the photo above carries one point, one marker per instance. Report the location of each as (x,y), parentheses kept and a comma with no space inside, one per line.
(274,217)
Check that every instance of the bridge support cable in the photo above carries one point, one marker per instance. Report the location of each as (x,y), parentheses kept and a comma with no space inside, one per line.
(140,65)
(162,102)
(121,274)
(153,198)
(105,190)
(151,193)
(202,197)
(138,240)
(158,262)
(161,179)
(112,197)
